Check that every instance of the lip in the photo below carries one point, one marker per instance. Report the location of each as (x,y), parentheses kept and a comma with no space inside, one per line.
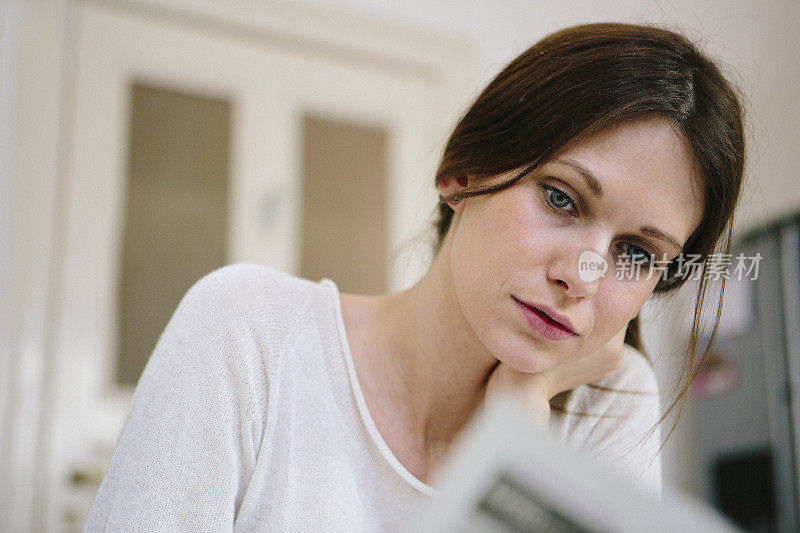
(547,320)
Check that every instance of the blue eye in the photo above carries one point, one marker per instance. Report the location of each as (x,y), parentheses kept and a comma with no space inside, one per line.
(558,198)
(637,254)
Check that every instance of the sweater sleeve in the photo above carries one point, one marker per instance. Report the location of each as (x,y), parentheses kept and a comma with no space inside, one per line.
(617,432)
(189,442)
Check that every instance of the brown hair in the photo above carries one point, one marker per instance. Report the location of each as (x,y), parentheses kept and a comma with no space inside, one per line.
(583,79)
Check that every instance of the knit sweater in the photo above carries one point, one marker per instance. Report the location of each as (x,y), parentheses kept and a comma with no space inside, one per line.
(249,417)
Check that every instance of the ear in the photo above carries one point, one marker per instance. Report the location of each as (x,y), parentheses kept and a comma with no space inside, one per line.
(451,185)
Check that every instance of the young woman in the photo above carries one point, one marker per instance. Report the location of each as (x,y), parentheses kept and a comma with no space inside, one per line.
(274,403)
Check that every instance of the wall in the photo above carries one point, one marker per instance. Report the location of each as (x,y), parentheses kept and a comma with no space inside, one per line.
(33,39)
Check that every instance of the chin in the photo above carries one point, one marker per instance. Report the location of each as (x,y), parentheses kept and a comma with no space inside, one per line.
(530,363)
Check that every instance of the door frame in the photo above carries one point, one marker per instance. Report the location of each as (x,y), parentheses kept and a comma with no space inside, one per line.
(38,44)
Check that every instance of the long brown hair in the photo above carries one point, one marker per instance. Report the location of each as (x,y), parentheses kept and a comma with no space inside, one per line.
(583,79)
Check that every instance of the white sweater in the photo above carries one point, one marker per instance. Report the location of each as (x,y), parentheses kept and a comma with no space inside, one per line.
(249,417)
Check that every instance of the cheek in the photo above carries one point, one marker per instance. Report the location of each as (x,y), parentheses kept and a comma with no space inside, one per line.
(620,303)
(500,235)
(525,237)
(476,266)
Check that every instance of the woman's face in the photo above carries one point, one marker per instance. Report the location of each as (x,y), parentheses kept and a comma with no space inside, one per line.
(523,243)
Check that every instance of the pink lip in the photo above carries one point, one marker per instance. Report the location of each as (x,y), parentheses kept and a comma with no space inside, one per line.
(547,321)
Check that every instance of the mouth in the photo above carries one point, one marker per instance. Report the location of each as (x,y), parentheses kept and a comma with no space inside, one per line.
(549,317)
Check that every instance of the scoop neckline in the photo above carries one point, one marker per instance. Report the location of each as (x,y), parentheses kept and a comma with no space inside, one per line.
(361,403)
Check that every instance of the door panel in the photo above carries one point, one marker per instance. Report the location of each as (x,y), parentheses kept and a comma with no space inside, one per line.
(176,213)
(344,205)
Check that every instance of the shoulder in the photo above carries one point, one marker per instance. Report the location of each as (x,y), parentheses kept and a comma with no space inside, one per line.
(240,282)
(630,392)
(635,373)
(247,299)
(234,322)
(620,425)
(247,288)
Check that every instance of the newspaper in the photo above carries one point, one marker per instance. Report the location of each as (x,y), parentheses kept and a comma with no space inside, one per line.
(508,475)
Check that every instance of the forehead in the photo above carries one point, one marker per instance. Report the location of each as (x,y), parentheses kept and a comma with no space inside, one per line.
(646,172)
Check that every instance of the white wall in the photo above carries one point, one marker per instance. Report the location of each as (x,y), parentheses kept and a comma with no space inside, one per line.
(30,159)
(757,40)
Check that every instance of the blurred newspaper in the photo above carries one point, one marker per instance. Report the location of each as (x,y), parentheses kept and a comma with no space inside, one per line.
(507,475)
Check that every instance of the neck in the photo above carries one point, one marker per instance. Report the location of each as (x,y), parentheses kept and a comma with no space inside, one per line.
(429,370)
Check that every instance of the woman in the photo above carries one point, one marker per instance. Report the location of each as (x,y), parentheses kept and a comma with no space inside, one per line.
(276,403)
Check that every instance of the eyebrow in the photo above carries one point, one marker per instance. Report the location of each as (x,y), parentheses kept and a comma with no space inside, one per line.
(597,190)
(658,234)
(591,182)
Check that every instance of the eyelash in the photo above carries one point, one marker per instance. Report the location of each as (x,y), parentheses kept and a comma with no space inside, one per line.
(547,189)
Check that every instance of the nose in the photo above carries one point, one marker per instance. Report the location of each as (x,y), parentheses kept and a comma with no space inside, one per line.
(565,272)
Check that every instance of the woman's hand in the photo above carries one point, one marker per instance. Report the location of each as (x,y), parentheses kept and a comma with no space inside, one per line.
(540,387)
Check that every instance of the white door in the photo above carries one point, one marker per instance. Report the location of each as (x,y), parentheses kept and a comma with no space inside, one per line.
(270,88)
